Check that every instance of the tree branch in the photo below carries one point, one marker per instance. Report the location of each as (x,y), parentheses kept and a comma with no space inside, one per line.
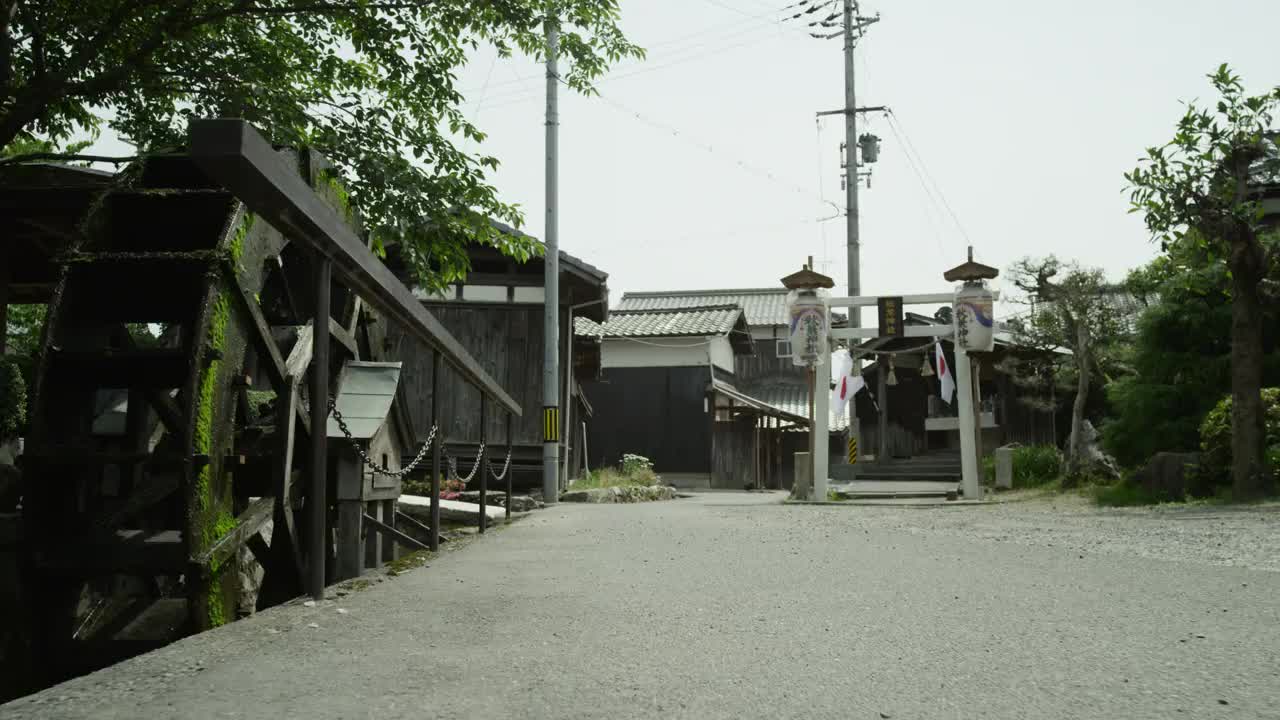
(33,157)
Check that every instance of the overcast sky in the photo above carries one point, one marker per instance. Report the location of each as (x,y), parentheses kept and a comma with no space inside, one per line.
(1024,114)
(704,166)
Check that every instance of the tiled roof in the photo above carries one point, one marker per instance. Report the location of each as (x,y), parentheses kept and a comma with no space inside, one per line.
(695,321)
(762,306)
(792,398)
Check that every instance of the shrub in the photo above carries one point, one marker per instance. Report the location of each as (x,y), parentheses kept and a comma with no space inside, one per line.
(634,470)
(1215,439)
(635,463)
(1035,465)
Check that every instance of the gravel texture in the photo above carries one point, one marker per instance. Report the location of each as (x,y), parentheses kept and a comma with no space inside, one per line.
(733,606)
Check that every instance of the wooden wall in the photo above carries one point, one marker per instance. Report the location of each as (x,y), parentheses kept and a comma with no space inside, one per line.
(733,463)
(507,342)
(654,412)
(764,363)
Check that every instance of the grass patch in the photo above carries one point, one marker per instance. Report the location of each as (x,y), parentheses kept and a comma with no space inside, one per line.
(405,563)
(1123,494)
(615,477)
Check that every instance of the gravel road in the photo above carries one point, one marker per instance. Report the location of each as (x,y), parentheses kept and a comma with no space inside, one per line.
(735,606)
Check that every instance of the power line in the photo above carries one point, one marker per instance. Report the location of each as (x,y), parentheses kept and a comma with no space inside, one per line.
(896,125)
(676,132)
(521,96)
(932,203)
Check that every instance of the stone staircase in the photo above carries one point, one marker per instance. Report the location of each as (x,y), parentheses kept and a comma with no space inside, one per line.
(935,474)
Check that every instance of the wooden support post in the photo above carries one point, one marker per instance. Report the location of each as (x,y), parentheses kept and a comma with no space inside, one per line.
(510,440)
(372,540)
(285,533)
(316,503)
(977,410)
(882,389)
(350,476)
(388,517)
(483,464)
(435,451)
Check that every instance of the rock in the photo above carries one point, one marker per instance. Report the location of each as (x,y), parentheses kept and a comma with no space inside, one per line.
(1169,475)
(628,494)
(309,603)
(1094,458)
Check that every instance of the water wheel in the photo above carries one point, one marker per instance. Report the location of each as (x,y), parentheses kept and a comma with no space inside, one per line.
(151,469)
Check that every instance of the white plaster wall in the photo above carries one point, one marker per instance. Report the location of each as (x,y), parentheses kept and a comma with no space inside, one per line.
(667,352)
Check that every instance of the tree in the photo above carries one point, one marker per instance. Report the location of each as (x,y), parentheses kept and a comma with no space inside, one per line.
(1070,309)
(1181,355)
(1201,191)
(369,83)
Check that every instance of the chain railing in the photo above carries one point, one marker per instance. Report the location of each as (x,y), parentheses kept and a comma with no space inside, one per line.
(451,462)
(505,466)
(364,457)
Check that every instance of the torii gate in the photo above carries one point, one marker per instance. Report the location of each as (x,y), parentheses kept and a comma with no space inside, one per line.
(972,331)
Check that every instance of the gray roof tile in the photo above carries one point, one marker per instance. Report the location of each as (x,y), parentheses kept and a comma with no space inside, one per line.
(709,320)
(791,397)
(762,306)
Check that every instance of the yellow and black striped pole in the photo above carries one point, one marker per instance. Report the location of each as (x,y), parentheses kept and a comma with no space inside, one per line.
(853,449)
(550,424)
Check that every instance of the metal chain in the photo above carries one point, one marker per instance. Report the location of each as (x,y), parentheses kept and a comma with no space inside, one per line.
(364,457)
(453,466)
(506,466)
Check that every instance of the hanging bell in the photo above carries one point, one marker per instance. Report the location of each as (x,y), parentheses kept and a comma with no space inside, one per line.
(893,377)
(926,367)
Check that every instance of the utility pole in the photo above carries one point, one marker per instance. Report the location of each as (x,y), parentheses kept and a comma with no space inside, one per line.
(852,26)
(551,280)
(852,246)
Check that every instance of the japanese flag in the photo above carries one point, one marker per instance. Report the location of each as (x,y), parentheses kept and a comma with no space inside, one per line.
(846,384)
(946,383)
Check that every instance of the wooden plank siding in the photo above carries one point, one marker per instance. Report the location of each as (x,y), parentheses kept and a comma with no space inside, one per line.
(507,341)
(655,412)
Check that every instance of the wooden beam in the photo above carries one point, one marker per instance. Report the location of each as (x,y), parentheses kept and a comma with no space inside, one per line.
(158,487)
(295,367)
(344,338)
(236,155)
(248,524)
(392,533)
(287,410)
(924,299)
(410,521)
(258,329)
(261,551)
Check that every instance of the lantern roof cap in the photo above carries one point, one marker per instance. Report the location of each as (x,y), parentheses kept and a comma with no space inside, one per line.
(807,279)
(970,270)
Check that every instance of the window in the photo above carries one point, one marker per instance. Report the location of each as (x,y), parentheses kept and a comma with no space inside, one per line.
(530,295)
(484,293)
(784,348)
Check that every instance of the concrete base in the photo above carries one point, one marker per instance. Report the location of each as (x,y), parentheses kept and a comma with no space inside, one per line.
(419,508)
